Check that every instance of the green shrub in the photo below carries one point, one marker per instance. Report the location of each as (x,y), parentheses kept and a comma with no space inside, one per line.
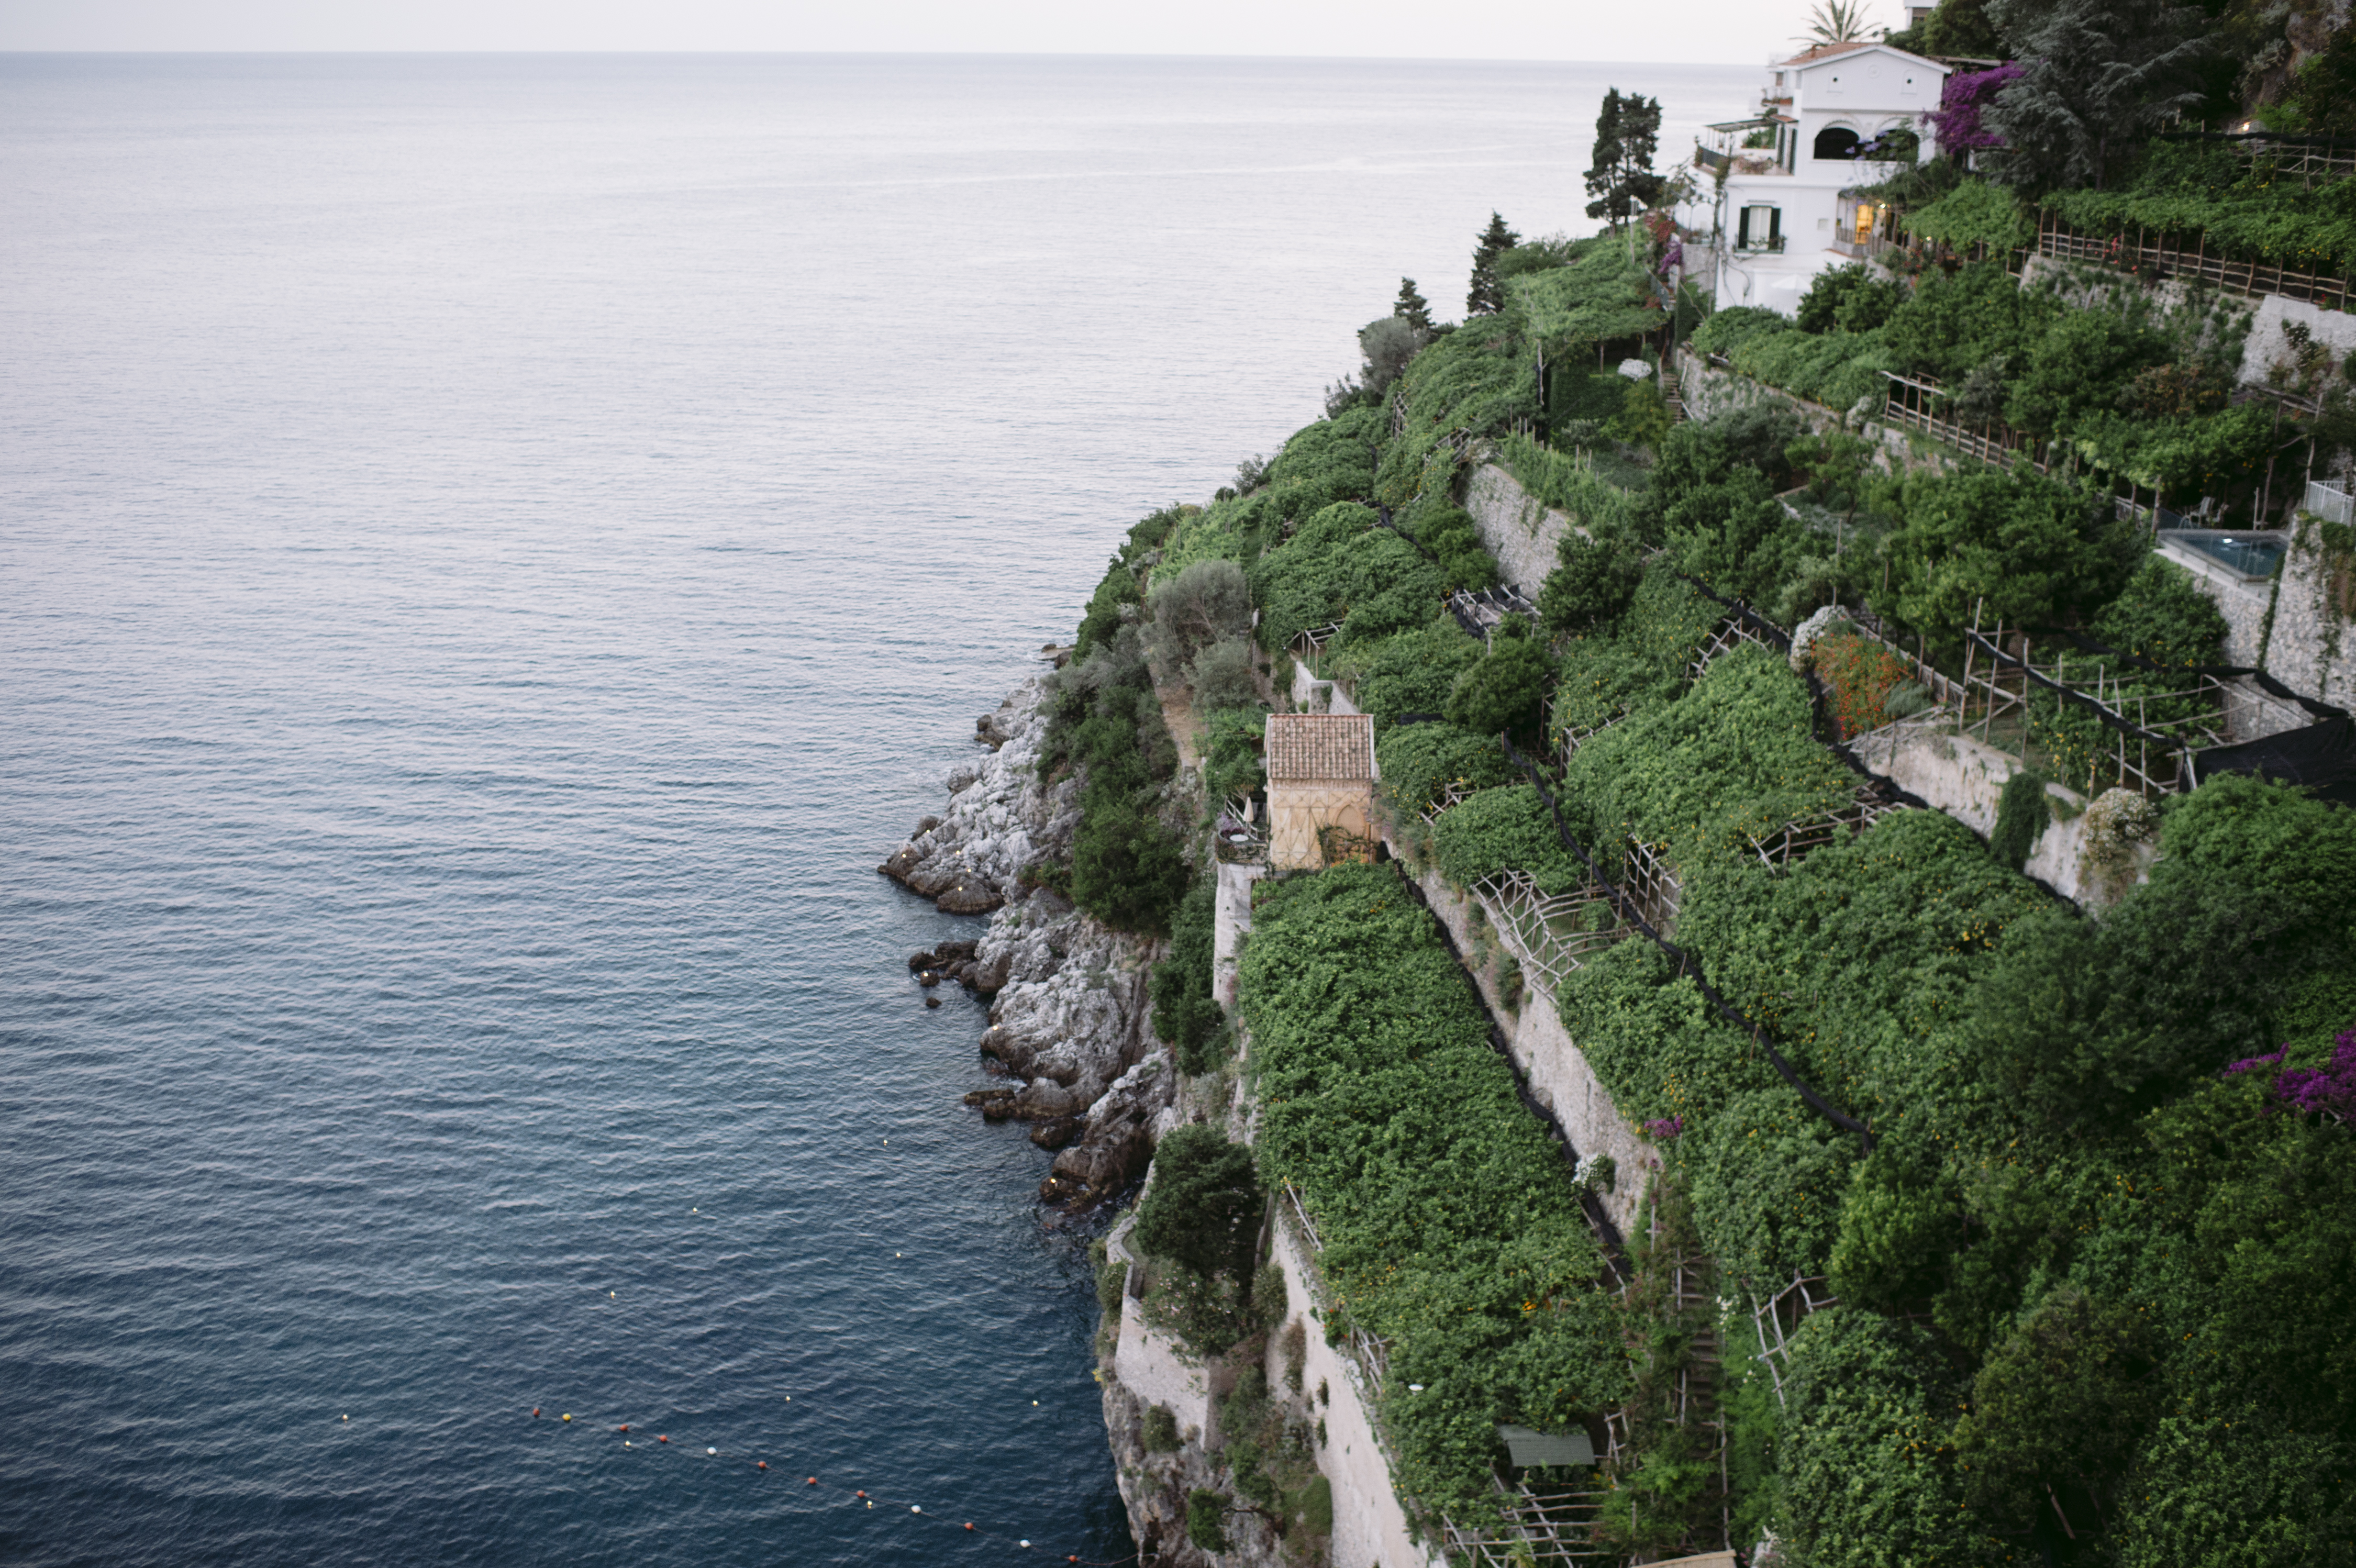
(1193,609)
(1206,1513)
(1500,830)
(1341,568)
(1734,759)
(1865,1440)
(1161,1430)
(1203,1208)
(2058,1410)
(1232,763)
(1898,1226)
(1128,869)
(2162,617)
(1184,1014)
(2021,819)
(1409,673)
(1956,322)
(2029,550)
(1223,676)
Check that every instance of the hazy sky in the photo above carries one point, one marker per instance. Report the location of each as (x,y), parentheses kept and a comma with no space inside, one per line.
(1720,31)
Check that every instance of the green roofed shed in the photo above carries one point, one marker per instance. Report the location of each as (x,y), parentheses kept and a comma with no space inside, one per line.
(1530,1448)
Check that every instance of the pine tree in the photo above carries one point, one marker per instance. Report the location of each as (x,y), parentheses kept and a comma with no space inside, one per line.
(1487,294)
(1620,177)
(2101,75)
(1413,308)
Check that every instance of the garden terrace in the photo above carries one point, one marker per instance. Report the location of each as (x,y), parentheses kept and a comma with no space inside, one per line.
(2155,257)
(1451,1233)
(2003,684)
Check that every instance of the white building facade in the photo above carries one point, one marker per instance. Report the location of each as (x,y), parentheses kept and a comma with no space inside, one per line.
(1779,214)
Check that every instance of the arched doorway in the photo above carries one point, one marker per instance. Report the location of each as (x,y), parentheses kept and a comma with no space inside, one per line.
(1837,142)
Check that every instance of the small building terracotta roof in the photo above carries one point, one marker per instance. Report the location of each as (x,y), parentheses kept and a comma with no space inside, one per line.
(1302,746)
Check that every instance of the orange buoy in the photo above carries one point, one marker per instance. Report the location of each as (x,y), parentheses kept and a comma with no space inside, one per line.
(969,1524)
(660,1438)
(813,1481)
(859,1494)
(624,1427)
(535,1410)
(761,1465)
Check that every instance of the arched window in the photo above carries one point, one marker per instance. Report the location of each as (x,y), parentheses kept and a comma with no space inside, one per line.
(1837,142)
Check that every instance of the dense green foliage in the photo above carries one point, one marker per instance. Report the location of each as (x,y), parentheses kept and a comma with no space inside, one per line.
(1129,869)
(1505,692)
(2018,547)
(1418,762)
(1450,1229)
(1503,829)
(1411,672)
(1341,566)
(2233,207)
(1184,1014)
(2161,617)
(1203,1208)
(1734,759)
(1640,661)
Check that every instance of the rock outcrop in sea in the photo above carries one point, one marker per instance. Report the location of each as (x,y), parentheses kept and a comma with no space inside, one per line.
(1070,1020)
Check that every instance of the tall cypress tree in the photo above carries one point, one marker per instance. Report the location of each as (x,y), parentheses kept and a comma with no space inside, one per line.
(1619,175)
(1413,308)
(1487,294)
(2102,74)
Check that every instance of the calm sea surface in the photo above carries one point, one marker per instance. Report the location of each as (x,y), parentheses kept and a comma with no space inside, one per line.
(492,551)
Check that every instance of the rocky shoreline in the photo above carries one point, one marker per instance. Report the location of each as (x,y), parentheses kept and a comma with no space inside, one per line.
(1070,1019)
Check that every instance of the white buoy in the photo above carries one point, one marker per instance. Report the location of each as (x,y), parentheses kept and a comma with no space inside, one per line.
(711,1451)
(913,1509)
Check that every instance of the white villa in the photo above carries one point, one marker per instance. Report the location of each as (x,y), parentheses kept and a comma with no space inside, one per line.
(1781,213)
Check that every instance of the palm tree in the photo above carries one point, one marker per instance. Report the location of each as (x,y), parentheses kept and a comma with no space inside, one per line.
(1836,22)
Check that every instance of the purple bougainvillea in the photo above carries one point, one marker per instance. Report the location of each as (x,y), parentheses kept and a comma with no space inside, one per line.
(1663,1131)
(2331,1088)
(1966,93)
(2247,1063)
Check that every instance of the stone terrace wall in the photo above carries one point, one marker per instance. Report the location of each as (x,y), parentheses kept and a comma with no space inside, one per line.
(1370,1528)
(1521,531)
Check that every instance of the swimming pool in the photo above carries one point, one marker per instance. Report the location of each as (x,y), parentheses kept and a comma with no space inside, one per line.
(2251,555)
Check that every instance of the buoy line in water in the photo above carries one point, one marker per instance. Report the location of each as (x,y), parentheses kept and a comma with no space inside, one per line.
(862,1500)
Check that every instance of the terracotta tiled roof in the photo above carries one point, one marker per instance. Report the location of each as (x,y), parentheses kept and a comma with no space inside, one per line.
(1302,746)
(1824,51)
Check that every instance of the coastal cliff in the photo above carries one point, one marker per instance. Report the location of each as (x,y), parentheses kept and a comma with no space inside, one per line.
(1069,1014)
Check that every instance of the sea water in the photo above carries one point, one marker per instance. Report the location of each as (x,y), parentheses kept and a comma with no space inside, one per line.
(492,552)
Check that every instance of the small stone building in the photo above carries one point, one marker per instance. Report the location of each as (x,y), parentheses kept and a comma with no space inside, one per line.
(1320,788)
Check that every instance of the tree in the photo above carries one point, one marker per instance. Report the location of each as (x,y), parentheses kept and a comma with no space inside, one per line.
(1591,584)
(1487,294)
(1413,308)
(2057,1415)
(1388,342)
(2037,550)
(1620,175)
(1203,1207)
(1835,22)
(1506,692)
(2099,75)
(1207,603)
